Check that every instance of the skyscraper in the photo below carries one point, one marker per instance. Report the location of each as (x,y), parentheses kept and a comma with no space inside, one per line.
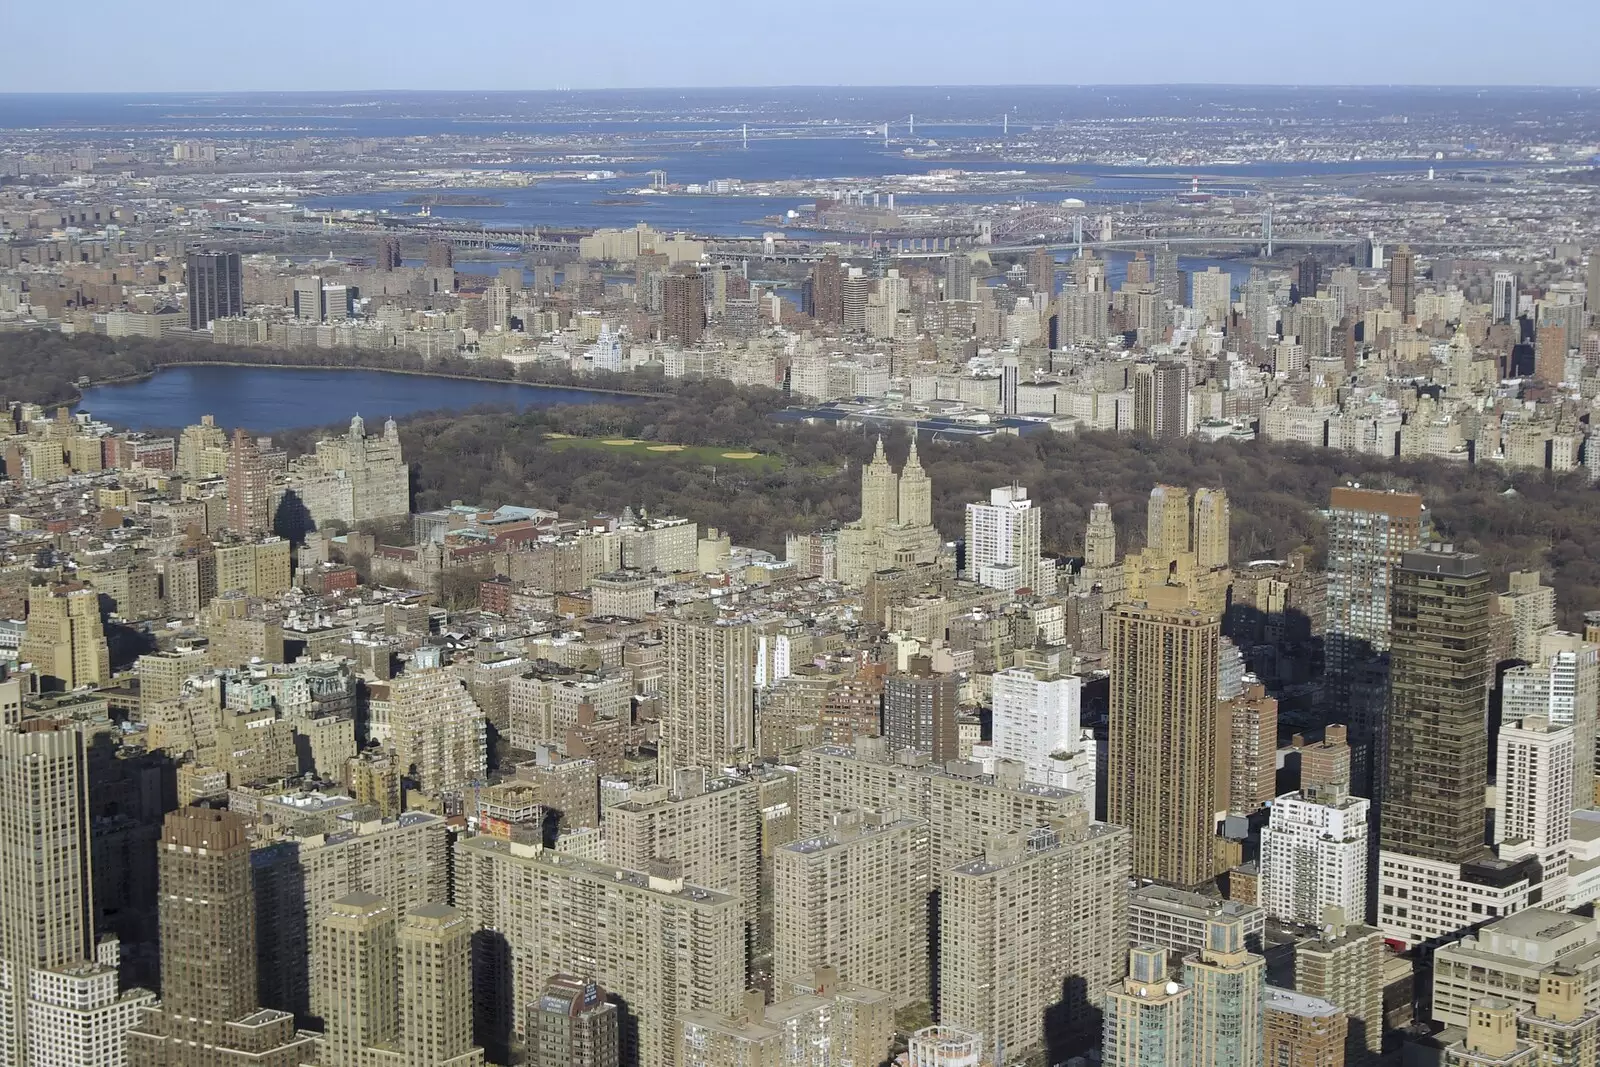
(1343,964)
(1308,276)
(388,257)
(209,1015)
(880,491)
(1042,271)
(1211,293)
(46,914)
(710,691)
(1562,685)
(827,290)
(64,639)
(1368,532)
(1037,722)
(356,950)
(1161,399)
(1167,520)
(1010,376)
(1403,282)
(309,303)
(896,525)
(1532,607)
(1139,270)
(249,503)
(572,1024)
(1228,986)
(919,713)
(1211,528)
(856,899)
(497,307)
(683,306)
(1592,276)
(436,730)
(1439,672)
(1505,295)
(434,946)
(957,277)
(1032,932)
(962,810)
(216,287)
(1534,798)
(1314,848)
(854,289)
(1251,722)
(1434,873)
(441,254)
(1148,1022)
(1550,353)
(709,825)
(1162,765)
(662,946)
(391,995)
(915,491)
(1168,278)
(1100,538)
(1003,540)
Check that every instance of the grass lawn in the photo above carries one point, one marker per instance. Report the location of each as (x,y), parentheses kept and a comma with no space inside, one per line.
(700,454)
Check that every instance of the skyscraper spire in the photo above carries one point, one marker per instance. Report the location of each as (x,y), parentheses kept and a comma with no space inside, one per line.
(916,491)
(880,491)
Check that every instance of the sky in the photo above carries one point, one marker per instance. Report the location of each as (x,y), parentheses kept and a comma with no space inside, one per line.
(217,45)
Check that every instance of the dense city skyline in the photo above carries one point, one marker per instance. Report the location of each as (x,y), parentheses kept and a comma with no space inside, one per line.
(1019,577)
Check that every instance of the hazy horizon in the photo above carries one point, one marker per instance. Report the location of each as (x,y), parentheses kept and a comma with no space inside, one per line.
(188,47)
(797,86)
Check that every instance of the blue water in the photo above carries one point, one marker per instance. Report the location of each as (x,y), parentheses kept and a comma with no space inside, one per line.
(571,204)
(261,399)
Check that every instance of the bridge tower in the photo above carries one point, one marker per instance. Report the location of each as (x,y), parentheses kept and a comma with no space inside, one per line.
(1266,226)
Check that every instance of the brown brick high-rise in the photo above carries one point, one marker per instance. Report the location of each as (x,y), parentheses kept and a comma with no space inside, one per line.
(209,1016)
(683,307)
(1162,770)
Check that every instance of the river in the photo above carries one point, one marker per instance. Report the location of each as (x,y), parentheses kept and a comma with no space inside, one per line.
(260,399)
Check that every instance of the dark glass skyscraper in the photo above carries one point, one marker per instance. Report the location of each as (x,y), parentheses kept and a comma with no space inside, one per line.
(1438,751)
(216,288)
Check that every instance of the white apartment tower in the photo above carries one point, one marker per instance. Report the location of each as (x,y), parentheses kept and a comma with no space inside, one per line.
(1003,540)
(1561,684)
(1534,801)
(1314,856)
(77,1017)
(1037,723)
